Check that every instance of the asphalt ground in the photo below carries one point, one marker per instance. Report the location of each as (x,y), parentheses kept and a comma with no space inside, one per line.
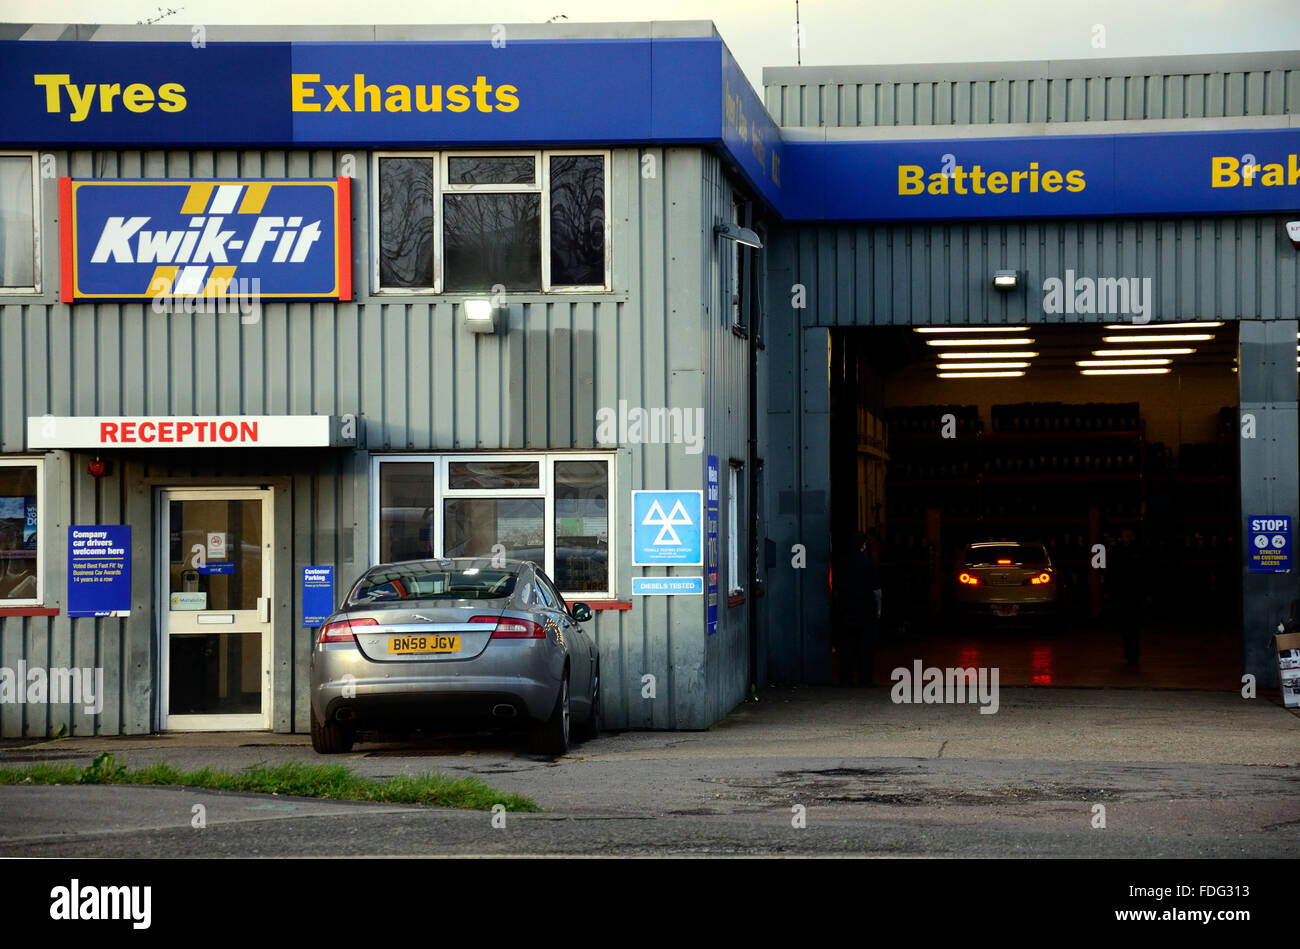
(803,771)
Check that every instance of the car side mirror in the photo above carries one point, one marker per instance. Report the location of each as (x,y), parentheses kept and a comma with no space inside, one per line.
(581,612)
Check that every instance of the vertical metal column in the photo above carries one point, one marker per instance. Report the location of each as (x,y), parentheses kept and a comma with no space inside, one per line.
(1270,483)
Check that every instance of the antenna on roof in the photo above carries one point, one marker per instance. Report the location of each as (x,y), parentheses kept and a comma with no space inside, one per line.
(798,37)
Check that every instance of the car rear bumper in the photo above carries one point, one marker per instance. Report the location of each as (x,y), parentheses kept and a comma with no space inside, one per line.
(513,684)
(996,602)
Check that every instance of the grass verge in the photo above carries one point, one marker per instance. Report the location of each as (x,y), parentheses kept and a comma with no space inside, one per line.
(332,781)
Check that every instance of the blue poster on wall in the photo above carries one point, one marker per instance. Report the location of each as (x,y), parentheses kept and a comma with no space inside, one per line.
(711,497)
(99,570)
(317,595)
(1269,543)
(667,529)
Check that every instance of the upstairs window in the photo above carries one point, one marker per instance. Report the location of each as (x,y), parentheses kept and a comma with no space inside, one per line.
(468,222)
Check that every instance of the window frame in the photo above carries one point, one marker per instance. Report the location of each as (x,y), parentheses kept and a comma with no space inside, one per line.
(735,513)
(442,186)
(441,464)
(39,465)
(35,288)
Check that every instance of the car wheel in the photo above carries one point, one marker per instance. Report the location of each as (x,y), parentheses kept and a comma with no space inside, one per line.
(591,727)
(552,738)
(331,738)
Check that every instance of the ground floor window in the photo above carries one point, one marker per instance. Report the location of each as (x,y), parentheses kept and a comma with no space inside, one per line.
(551,509)
(20,521)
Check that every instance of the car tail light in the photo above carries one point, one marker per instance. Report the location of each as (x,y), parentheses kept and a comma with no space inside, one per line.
(969,580)
(340,631)
(1041,579)
(510,628)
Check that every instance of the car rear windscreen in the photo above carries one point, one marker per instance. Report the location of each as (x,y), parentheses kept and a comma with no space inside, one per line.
(1013,554)
(469,583)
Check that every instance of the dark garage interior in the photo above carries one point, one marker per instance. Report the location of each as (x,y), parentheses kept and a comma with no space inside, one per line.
(1068,435)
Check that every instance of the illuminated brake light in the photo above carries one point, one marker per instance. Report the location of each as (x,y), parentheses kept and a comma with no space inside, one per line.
(510,628)
(967,579)
(340,631)
(1004,561)
(1041,579)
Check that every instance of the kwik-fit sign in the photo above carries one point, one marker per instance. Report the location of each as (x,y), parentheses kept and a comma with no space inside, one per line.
(272,239)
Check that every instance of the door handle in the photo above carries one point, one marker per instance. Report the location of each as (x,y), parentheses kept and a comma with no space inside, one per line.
(264,609)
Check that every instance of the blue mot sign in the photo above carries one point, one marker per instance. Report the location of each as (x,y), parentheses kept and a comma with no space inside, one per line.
(265,239)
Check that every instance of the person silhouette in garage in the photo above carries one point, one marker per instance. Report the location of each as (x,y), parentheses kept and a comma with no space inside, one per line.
(857,602)
(1125,573)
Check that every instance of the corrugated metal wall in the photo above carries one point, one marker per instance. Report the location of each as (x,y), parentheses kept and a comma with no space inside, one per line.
(1200,268)
(419,380)
(726,658)
(1184,87)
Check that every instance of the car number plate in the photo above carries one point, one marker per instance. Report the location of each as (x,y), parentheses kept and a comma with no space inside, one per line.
(409,645)
(1010,610)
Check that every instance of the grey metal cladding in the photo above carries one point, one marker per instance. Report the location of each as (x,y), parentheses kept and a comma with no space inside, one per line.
(1167,87)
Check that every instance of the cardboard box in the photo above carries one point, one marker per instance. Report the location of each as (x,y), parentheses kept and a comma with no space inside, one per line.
(1288,666)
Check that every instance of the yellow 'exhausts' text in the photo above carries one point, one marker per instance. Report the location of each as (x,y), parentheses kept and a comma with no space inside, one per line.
(312,95)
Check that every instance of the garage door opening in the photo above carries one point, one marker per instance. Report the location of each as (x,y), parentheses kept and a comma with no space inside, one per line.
(1115,448)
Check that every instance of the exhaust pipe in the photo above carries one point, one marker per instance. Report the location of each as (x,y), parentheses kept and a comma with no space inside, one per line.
(503,711)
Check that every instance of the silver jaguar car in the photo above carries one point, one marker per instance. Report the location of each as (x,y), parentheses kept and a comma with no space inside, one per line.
(1002,579)
(441,643)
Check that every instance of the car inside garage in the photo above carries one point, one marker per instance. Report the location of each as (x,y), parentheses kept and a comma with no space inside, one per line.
(1110,447)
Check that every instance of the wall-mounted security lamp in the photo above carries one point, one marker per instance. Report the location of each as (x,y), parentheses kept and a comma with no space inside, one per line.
(481,316)
(741,235)
(1293,233)
(1005,280)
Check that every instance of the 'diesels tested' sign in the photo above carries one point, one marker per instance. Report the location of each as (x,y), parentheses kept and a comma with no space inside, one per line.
(260,239)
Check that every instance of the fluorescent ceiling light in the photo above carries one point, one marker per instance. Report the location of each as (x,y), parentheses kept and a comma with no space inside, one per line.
(1019,341)
(976,329)
(977,375)
(1163,326)
(995,365)
(1025,354)
(1162,338)
(1125,362)
(1186,351)
(1122,372)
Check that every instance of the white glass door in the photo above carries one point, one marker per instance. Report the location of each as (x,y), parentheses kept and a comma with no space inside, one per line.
(216,584)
